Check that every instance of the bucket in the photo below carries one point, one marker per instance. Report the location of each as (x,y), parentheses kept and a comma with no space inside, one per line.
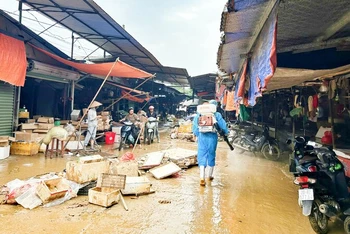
(109,138)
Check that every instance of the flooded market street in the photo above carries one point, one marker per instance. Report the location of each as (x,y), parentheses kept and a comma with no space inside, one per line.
(248,195)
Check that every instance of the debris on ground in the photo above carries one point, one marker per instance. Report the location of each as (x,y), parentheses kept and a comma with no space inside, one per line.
(165,170)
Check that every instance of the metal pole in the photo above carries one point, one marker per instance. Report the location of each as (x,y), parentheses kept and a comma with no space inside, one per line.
(72,49)
(276,115)
(72,95)
(293,119)
(330,102)
(19,87)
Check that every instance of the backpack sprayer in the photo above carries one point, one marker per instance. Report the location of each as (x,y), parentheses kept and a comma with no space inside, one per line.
(208,123)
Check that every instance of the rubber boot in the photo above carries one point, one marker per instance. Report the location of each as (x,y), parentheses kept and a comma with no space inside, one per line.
(202,175)
(211,170)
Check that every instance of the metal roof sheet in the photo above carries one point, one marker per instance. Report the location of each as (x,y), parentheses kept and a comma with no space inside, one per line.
(89,21)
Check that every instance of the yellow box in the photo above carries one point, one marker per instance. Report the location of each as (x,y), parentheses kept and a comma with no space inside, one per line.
(24,115)
(24,148)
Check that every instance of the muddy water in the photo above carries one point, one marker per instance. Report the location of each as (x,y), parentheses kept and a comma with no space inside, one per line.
(248,195)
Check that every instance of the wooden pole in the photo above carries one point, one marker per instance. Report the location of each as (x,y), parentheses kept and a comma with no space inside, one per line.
(129,92)
(98,91)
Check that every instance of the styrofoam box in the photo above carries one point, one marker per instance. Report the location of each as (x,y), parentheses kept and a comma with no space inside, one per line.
(4,152)
(117,130)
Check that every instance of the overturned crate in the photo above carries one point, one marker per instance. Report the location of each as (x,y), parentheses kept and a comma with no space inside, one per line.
(52,189)
(107,191)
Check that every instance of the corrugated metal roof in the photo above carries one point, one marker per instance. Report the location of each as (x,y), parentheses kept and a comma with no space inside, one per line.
(303,25)
(89,21)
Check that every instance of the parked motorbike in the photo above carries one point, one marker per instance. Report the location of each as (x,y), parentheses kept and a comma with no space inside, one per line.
(254,142)
(323,189)
(129,133)
(151,128)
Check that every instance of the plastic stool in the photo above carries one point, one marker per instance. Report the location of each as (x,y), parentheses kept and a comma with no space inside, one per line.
(53,150)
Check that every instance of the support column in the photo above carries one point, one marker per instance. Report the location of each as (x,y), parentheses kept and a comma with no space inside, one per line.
(276,115)
(72,95)
(330,103)
(18,90)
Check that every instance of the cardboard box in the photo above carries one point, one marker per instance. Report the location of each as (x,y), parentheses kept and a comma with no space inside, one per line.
(52,189)
(185,128)
(29,126)
(31,121)
(40,131)
(45,126)
(137,185)
(85,172)
(26,136)
(43,120)
(51,120)
(104,196)
(4,141)
(24,148)
(23,115)
(4,152)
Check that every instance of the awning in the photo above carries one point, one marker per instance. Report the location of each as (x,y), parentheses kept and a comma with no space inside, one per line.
(127,88)
(134,98)
(91,22)
(204,85)
(13,63)
(289,77)
(121,69)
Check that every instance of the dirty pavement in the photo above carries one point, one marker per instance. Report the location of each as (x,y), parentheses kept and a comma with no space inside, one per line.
(248,195)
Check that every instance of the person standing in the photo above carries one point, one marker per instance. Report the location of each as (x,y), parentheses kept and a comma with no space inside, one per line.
(153,114)
(92,125)
(207,143)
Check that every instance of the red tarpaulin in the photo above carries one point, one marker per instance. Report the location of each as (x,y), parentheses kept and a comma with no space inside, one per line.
(121,69)
(127,88)
(13,59)
(133,98)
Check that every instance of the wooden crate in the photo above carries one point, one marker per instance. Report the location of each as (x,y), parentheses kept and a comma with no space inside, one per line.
(24,148)
(104,196)
(111,181)
(52,189)
(137,185)
(85,172)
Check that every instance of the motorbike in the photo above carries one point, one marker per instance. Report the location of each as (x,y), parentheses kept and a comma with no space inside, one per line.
(263,143)
(129,133)
(151,128)
(323,186)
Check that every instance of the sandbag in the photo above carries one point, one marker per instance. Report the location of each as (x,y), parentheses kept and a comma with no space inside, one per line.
(55,132)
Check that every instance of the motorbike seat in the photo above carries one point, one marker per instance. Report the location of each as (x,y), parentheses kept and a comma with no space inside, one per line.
(307,159)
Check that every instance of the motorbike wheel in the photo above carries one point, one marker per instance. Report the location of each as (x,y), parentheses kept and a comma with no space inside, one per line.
(149,138)
(347,225)
(318,221)
(237,141)
(274,154)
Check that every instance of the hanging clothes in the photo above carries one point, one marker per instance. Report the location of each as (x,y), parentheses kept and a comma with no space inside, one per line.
(243,112)
(229,100)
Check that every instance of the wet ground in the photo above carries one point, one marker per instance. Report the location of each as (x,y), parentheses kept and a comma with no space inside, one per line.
(248,195)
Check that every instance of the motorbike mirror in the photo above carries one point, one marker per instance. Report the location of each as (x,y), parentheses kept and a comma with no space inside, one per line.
(289,141)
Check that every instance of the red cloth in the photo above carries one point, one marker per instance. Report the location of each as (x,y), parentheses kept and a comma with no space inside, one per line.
(121,69)
(13,60)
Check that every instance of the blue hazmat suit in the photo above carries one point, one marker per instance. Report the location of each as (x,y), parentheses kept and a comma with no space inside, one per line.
(207,142)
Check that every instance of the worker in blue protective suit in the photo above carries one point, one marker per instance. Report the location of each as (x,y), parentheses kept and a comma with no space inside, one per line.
(207,143)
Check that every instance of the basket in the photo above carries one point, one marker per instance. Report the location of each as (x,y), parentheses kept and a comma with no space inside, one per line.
(24,148)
